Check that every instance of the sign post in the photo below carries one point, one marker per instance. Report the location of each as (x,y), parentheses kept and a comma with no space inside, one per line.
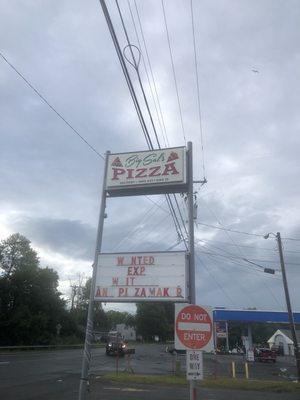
(90,318)
(132,277)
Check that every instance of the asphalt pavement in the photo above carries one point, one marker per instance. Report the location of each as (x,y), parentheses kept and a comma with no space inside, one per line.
(55,374)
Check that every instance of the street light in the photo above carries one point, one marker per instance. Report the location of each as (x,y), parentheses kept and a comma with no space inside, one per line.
(287,298)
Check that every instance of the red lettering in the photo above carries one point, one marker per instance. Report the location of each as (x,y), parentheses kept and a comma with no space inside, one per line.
(179,292)
(101,292)
(115,281)
(117,172)
(141,173)
(133,260)
(120,260)
(170,168)
(154,171)
(130,173)
(166,292)
(123,292)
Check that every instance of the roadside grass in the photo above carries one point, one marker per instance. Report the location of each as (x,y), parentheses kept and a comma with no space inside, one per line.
(218,383)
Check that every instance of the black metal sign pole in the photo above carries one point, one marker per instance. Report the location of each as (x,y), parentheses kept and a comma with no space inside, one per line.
(192,291)
(90,318)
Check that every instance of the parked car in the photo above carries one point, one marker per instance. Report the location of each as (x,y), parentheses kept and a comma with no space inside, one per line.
(263,354)
(115,344)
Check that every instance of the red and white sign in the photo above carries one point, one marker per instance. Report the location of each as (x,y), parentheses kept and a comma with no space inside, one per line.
(193,327)
(146,171)
(123,277)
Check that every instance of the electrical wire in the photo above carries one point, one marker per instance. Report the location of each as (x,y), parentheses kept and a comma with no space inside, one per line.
(173,69)
(215,280)
(43,98)
(133,94)
(125,71)
(198,89)
(138,74)
(151,71)
(162,127)
(135,64)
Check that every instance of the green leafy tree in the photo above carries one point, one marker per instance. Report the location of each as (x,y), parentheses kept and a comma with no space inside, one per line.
(30,307)
(16,254)
(155,319)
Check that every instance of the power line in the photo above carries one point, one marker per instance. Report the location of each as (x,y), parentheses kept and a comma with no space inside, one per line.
(151,71)
(125,71)
(230,230)
(136,67)
(261,235)
(173,69)
(50,105)
(198,88)
(159,115)
(215,280)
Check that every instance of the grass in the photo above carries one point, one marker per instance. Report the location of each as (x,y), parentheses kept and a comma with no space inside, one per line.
(219,383)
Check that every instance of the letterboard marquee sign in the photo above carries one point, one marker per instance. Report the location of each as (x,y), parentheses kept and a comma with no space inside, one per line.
(147,172)
(125,277)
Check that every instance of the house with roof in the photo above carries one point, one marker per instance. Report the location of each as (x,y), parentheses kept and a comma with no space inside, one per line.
(282,339)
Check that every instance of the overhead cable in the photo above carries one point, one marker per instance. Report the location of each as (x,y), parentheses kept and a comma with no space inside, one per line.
(50,106)
(135,63)
(151,70)
(198,88)
(173,69)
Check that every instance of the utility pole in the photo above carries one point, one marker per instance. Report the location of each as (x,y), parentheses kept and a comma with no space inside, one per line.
(288,304)
(192,288)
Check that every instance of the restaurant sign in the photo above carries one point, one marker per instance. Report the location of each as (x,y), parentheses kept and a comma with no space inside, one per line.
(147,172)
(125,277)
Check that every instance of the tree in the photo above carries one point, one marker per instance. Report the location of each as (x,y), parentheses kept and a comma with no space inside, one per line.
(30,305)
(155,319)
(16,254)
(79,314)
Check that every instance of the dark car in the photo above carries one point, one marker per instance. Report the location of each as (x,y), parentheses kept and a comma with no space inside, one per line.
(263,354)
(115,344)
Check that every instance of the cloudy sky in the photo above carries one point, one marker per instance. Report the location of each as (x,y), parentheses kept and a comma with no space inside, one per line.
(249,79)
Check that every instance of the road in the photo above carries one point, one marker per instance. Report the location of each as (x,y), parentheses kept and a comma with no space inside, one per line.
(55,374)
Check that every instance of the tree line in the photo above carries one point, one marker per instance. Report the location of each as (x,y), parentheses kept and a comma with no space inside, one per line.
(33,311)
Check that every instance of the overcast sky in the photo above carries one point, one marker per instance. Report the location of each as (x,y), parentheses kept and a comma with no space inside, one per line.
(249,79)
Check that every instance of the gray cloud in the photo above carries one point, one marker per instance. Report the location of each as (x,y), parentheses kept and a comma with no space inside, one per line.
(50,181)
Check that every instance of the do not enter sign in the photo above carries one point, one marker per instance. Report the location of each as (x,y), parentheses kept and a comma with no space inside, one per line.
(193,327)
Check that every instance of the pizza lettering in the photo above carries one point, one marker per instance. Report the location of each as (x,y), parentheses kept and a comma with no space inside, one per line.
(130,173)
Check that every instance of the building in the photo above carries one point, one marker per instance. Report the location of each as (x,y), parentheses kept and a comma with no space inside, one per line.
(282,339)
(127,332)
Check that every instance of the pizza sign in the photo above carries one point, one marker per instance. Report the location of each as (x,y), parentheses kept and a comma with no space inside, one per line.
(146,171)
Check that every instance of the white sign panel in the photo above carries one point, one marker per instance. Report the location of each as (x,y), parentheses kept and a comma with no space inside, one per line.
(141,277)
(194,365)
(146,171)
(193,327)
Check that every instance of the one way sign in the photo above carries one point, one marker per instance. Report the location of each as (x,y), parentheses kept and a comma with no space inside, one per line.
(194,364)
